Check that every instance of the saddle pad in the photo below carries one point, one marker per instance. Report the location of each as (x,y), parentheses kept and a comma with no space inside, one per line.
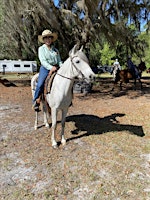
(48,83)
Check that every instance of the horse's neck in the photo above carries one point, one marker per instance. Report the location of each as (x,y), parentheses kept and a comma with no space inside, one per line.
(64,78)
(66,69)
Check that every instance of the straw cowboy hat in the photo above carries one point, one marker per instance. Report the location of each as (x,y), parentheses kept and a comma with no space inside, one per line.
(47,33)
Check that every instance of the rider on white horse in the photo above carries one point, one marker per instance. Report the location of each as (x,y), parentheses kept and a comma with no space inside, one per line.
(116,67)
(60,95)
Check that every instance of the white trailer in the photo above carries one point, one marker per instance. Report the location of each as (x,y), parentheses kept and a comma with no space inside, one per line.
(18,66)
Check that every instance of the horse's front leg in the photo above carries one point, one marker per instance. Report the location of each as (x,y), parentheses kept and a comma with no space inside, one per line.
(54,123)
(63,120)
(120,85)
(141,84)
(135,84)
(113,87)
(36,120)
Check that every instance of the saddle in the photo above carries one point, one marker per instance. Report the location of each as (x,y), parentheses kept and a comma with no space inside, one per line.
(48,83)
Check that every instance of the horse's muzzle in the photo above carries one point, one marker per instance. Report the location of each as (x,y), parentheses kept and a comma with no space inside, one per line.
(90,79)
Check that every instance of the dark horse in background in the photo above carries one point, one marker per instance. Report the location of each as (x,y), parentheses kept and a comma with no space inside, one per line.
(123,76)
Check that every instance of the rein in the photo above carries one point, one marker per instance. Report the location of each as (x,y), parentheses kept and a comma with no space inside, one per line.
(79,72)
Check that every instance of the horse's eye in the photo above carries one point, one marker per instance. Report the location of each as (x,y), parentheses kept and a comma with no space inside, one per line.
(77,61)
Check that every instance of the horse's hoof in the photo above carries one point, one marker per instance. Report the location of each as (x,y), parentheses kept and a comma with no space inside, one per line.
(47,125)
(63,143)
(55,146)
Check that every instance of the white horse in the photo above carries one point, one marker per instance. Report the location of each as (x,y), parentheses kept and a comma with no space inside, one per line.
(60,96)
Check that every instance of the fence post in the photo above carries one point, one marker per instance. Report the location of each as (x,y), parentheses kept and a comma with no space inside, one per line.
(4,66)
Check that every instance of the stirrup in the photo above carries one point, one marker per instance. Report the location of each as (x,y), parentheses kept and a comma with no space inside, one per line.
(71,104)
(35,107)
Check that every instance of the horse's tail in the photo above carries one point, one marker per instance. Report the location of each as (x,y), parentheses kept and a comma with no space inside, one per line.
(34,83)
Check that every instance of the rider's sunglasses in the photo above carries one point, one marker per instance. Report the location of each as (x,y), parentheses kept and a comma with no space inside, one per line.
(48,37)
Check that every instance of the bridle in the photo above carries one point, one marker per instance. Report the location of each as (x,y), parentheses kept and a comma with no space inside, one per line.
(79,71)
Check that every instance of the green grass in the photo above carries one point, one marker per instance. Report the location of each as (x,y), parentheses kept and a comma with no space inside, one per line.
(15,76)
(108,75)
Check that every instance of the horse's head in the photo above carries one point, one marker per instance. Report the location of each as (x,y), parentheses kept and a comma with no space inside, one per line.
(80,65)
(142,66)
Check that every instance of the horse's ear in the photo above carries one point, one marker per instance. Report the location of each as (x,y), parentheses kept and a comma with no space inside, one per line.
(81,48)
(73,50)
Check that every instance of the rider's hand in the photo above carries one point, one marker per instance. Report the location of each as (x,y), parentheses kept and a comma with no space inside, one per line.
(53,69)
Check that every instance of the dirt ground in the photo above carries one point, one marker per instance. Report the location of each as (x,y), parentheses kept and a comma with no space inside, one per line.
(107,155)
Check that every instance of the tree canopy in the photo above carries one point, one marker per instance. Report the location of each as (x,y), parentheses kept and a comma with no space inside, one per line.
(86,22)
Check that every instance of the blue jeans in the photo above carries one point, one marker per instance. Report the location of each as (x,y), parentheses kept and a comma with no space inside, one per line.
(43,73)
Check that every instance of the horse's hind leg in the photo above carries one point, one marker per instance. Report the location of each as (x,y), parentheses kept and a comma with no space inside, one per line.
(64,113)
(45,112)
(113,87)
(120,85)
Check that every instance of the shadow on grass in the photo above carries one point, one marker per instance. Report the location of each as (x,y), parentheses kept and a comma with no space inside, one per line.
(93,125)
